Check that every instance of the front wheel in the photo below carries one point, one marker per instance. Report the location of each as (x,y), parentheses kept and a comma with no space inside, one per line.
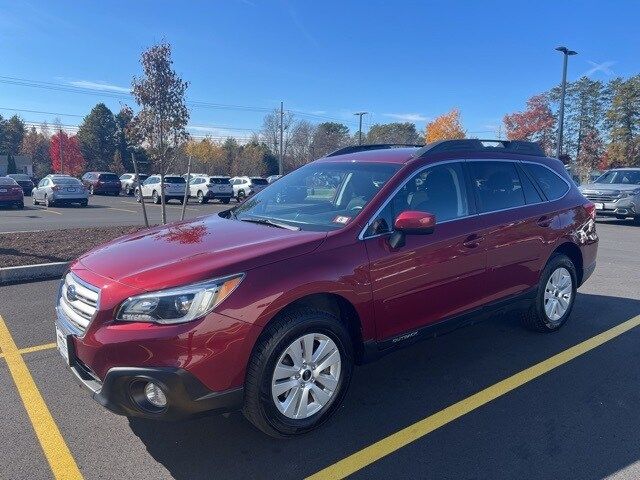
(555,296)
(155,197)
(48,203)
(201,198)
(298,373)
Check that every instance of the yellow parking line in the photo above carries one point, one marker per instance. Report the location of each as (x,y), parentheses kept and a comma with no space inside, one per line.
(407,435)
(36,348)
(55,449)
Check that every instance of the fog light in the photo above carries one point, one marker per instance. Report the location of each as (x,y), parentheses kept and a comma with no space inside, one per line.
(155,395)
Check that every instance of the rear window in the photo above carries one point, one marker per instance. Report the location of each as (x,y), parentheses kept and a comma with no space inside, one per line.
(174,180)
(219,181)
(19,176)
(259,181)
(109,177)
(7,181)
(550,183)
(66,181)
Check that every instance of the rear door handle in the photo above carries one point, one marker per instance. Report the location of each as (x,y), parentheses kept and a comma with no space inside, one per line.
(544,221)
(473,241)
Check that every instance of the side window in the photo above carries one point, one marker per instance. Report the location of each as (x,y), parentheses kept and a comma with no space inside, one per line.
(531,194)
(440,190)
(42,183)
(498,185)
(551,184)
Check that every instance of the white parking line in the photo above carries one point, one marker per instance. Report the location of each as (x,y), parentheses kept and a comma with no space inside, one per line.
(122,209)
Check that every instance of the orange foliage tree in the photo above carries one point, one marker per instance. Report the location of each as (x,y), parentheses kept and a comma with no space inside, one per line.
(445,127)
(535,124)
(65,154)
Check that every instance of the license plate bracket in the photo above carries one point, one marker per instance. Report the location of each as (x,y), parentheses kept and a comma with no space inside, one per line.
(64,345)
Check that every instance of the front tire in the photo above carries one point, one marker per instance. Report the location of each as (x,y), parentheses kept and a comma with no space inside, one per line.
(156,198)
(48,203)
(201,197)
(298,373)
(555,296)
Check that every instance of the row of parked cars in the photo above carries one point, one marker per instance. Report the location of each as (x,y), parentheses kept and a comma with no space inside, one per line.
(57,189)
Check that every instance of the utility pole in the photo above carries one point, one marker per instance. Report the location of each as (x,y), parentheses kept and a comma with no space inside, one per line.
(281,159)
(61,153)
(566,53)
(360,114)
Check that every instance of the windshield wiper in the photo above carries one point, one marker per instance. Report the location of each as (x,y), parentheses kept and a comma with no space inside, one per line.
(271,223)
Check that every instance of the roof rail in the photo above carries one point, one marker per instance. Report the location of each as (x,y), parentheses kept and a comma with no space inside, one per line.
(372,146)
(478,145)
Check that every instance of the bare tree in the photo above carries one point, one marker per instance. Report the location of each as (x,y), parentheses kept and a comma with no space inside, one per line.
(163,114)
(301,150)
(271,131)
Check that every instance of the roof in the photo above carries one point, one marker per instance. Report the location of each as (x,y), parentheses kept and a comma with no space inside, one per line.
(388,155)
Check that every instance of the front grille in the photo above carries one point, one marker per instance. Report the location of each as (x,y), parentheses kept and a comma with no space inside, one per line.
(78,301)
(602,197)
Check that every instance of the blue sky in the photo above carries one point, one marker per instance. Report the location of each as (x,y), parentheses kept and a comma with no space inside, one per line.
(398,60)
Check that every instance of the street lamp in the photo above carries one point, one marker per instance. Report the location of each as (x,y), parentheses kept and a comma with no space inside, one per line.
(566,53)
(360,114)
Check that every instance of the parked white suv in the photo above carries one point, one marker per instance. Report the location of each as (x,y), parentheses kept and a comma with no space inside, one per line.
(174,188)
(245,186)
(128,182)
(205,188)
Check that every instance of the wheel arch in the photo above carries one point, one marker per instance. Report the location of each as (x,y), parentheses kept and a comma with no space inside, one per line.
(572,251)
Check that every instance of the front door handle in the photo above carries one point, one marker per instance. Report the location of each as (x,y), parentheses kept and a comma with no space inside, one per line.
(473,241)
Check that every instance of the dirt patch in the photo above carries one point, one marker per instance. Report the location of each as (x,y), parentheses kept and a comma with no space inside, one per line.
(30,248)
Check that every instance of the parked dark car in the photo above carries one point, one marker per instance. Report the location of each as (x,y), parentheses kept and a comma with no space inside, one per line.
(267,306)
(11,193)
(24,181)
(102,182)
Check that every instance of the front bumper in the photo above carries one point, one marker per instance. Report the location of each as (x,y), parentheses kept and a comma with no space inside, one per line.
(211,194)
(624,207)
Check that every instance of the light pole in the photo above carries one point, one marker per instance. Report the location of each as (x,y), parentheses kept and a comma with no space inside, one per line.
(566,53)
(360,114)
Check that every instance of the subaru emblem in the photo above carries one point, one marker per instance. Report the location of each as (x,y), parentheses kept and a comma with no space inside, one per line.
(71,293)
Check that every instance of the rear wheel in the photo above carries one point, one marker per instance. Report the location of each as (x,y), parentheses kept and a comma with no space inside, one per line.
(138,196)
(33,199)
(20,205)
(298,373)
(201,198)
(155,197)
(555,297)
(47,202)
(92,190)
(241,196)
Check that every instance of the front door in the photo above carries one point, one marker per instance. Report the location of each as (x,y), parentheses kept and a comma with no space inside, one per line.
(432,277)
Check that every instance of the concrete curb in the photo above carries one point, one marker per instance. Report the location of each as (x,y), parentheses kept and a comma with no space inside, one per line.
(28,273)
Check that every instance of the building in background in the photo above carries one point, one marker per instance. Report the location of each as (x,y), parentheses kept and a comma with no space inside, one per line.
(23,164)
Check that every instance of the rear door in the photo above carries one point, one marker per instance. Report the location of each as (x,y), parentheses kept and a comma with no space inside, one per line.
(514,224)
(432,277)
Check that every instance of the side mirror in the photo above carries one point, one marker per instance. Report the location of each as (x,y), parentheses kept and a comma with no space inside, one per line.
(411,222)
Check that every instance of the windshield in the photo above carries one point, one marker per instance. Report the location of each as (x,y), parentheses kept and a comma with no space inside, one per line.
(7,181)
(321,196)
(19,176)
(631,177)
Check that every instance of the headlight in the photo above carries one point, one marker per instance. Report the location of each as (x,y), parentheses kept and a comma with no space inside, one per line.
(178,305)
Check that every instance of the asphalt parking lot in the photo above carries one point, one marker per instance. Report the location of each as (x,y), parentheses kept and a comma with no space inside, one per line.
(574,415)
(102,210)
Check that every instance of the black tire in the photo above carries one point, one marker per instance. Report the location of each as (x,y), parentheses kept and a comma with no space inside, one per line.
(20,205)
(259,407)
(225,200)
(156,198)
(201,198)
(33,200)
(535,318)
(127,191)
(116,194)
(636,220)
(137,196)
(47,203)
(84,203)
(92,190)
(241,196)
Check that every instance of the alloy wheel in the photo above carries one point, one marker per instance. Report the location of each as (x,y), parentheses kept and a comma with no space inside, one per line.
(557,294)
(306,376)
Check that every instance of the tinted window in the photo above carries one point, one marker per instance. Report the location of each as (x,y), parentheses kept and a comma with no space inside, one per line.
(498,185)
(7,181)
(549,182)
(620,176)
(66,181)
(439,190)
(19,176)
(219,181)
(174,180)
(259,181)
(126,176)
(109,177)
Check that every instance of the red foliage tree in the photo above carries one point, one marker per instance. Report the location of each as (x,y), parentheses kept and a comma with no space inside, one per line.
(71,162)
(535,124)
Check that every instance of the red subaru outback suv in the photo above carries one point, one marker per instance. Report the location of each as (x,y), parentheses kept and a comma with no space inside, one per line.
(268,306)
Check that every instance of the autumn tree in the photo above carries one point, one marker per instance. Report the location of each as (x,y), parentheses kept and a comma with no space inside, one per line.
(623,122)
(398,132)
(97,137)
(590,153)
(36,145)
(445,127)
(535,124)
(209,155)
(330,136)
(163,116)
(254,159)
(65,153)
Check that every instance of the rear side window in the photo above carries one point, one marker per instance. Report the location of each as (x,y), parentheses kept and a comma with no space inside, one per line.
(498,185)
(550,183)
(531,194)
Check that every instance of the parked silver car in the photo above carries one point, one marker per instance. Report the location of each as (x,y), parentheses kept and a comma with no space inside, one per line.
(128,182)
(60,189)
(616,193)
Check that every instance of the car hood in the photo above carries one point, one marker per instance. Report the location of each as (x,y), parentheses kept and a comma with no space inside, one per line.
(196,250)
(609,187)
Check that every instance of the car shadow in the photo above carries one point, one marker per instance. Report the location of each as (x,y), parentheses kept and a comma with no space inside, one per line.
(615,221)
(410,384)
